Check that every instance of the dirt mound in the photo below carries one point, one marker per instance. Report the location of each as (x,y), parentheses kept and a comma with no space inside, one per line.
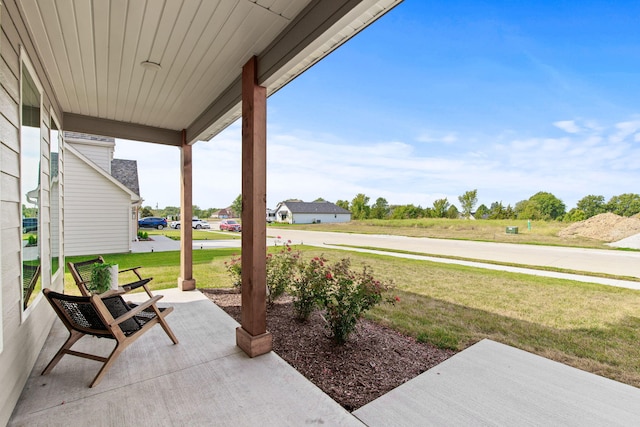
(607,227)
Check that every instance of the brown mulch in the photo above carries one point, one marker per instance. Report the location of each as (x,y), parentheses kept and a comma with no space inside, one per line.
(374,360)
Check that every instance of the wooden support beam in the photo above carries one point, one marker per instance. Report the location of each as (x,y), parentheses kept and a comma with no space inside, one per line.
(186,282)
(252,337)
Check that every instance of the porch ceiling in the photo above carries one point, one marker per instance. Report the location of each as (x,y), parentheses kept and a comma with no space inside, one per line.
(92,53)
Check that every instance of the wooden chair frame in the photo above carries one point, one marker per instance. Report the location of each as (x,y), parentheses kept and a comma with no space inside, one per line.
(79,271)
(88,315)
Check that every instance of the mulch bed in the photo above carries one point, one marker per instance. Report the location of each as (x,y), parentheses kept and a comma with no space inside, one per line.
(374,360)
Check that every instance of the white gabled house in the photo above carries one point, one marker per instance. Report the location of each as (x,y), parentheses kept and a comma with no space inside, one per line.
(311,213)
(102,197)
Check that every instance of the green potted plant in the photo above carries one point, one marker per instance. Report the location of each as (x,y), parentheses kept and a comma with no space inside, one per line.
(104,276)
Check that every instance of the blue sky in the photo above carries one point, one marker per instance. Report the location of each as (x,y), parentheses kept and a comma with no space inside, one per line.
(437,98)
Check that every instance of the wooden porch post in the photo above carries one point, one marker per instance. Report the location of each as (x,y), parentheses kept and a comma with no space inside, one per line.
(186,282)
(252,337)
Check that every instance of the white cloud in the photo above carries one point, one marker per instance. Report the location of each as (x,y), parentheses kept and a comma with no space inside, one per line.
(605,161)
(445,138)
(568,126)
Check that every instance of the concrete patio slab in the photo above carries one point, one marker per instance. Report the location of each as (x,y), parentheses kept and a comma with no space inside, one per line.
(204,380)
(494,384)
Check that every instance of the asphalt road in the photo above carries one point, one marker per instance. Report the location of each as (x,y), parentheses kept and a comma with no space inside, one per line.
(615,262)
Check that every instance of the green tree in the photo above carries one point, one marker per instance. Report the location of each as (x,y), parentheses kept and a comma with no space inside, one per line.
(482,211)
(627,204)
(236,206)
(344,204)
(549,206)
(360,207)
(591,205)
(575,215)
(453,212)
(440,208)
(380,209)
(319,199)
(146,212)
(406,212)
(467,201)
(496,211)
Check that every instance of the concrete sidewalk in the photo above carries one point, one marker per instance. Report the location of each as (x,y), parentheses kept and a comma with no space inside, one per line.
(493,384)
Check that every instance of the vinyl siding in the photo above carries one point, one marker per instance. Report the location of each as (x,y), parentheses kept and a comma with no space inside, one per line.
(303,218)
(97,211)
(22,333)
(99,153)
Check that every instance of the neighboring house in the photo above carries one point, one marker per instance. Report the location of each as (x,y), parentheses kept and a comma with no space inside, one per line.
(310,212)
(223,213)
(102,197)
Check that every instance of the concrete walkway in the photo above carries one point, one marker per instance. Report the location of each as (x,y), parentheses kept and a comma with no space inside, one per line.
(491,384)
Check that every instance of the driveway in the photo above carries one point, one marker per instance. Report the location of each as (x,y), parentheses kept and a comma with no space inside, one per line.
(620,263)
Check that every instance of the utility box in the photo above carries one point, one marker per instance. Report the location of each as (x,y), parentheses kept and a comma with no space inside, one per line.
(512,230)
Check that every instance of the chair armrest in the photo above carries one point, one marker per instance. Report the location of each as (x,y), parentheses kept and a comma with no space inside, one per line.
(129,269)
(136,310)
(112,292)
(135,285)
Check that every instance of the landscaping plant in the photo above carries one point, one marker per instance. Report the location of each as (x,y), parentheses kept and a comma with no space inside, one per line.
(306,286)
(100,277)
(346,295)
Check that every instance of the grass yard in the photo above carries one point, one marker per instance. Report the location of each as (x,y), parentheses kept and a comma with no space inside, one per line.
(595,328)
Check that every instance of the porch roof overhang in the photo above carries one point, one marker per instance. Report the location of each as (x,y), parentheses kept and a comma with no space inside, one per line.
(92,54)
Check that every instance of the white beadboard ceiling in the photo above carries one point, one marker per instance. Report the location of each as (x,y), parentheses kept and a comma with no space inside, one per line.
(92,51)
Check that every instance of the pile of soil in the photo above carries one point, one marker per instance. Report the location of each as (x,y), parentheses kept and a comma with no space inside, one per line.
(374,360)
(607,227)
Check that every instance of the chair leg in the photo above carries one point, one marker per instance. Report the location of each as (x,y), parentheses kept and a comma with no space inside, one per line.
(119,348)
(166,327)
(74,336)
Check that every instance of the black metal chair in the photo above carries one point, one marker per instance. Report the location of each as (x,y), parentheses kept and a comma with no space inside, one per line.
(104,315)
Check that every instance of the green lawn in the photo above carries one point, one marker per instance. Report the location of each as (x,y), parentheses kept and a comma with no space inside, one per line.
(592,327)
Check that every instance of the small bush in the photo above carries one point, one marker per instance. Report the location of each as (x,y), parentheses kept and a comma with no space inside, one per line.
(306,286)
(143,235)
(234,268)
(346,295)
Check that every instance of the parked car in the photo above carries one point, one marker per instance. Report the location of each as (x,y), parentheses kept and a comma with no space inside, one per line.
(230,225)
(199,223)
(195,223)
(152,222)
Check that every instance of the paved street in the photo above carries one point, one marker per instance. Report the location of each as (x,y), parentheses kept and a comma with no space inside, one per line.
(623,263)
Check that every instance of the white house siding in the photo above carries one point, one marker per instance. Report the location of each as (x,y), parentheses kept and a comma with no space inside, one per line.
(304,218)
(91,225)
(100,152)
(22,334)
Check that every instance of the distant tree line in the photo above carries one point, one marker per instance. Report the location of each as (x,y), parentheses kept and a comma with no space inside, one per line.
(540,206)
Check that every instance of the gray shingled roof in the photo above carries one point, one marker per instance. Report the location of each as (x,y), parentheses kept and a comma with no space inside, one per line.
(315,208)
(126,171)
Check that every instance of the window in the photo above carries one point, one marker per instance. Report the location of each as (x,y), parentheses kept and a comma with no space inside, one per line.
(30,185)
